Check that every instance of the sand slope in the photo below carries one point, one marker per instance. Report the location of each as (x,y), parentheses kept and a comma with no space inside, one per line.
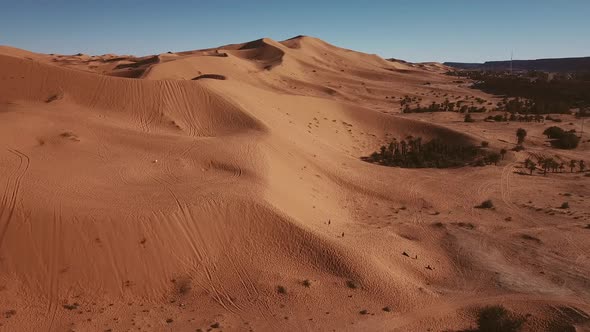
(180,190)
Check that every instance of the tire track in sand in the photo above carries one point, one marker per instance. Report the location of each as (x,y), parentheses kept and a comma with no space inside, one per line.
(185,221)
(53,267)
(505,189)
(11,192)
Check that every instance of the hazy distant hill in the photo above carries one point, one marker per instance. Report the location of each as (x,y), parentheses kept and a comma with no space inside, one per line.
(552,65)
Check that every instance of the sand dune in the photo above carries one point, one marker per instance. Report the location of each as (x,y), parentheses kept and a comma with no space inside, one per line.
(224,188)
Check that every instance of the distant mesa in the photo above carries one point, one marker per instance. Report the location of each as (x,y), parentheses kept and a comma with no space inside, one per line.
(210,76)
(552,65)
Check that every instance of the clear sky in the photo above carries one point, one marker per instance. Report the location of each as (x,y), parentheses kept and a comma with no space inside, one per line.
(413,30)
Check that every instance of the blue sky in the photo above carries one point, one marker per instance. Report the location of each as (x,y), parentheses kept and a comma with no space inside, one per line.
(443,30)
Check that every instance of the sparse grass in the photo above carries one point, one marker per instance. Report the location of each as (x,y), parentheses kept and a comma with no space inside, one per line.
(485,144)
(363,312)
(169,320)
(565,205)
(215,325)
(386,309)
(306,283)
(281,290)
(183,286)
(487,204)
(9,313)
(496,319)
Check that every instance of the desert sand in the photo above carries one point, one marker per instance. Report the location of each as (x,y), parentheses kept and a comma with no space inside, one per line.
(223,189)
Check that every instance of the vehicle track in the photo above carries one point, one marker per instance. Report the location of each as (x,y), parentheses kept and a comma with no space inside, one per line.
(53,267)
(11,192)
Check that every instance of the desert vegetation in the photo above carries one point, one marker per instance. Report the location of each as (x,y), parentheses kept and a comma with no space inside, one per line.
(550,164)
(534,92)
(561,138)
(516,118)
(412,152)
(497,319)
(445,106)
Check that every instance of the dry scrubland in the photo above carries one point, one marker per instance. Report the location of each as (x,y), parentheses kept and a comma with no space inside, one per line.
(223,189)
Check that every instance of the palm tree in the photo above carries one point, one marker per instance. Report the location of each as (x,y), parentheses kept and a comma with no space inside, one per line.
(582,165)
(572,165)
(494,158)
(561,167)
(554,166)
(540,161)
(531,166)
(547,163)
(527,162)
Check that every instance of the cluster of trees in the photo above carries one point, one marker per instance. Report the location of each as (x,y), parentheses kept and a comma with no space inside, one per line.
(550,164)
(562,139)
(414,153)
(544,93)
(528,106)
(516,117)
(445,106)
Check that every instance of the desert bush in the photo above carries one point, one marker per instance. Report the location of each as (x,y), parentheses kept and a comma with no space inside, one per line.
(568,141)
(554,132)
(562,139)
(351,284)
(498,319)
(487,204)
(73,306)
